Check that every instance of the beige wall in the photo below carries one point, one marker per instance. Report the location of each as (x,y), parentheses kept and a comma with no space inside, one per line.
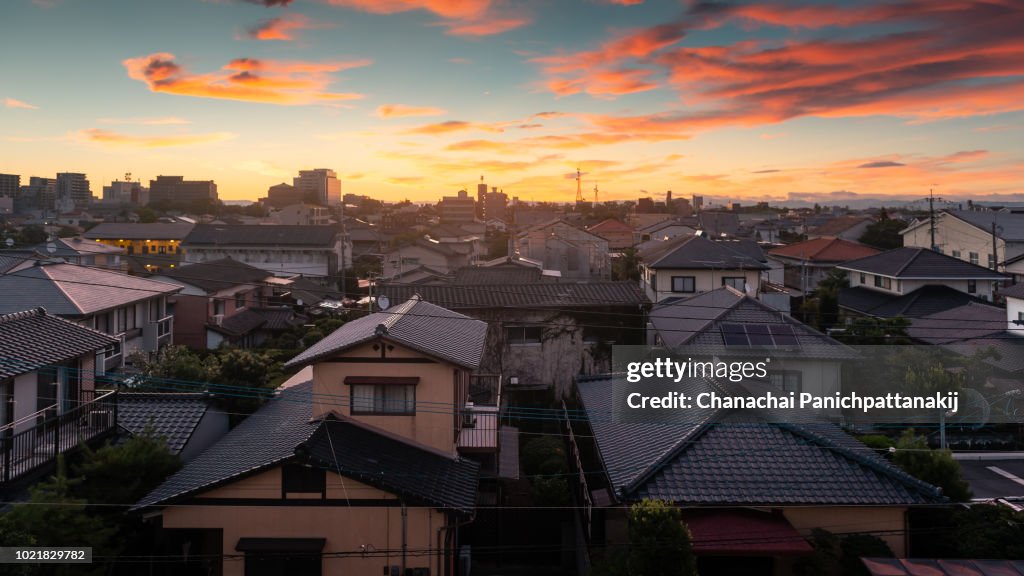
(346,528)
(704,281)
(434,423)
(953,234)
(849,519)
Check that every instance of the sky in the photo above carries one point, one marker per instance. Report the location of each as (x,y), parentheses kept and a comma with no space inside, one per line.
(415,99)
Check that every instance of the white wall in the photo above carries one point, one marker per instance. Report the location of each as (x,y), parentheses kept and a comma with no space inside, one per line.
(1014,310)
(704,281)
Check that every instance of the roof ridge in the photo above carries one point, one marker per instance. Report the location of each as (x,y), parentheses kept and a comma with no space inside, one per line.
(21,315)
(399,312)
(911,260)
(45,270)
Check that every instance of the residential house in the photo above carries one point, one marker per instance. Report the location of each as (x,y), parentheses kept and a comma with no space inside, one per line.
(187,421)
(160,242)
(80,251)
(727,322)
(50,402)
(845,227)
(544,330)
(315,251)
(971,235)
(1014,267)
(689,265)
(212,294)
(719,224)
(302,215)
(805,264)
(913,282)
(572,251)
(134,310)
(250,327)
(772,483)
(365,457)
(444,257)
(618,234)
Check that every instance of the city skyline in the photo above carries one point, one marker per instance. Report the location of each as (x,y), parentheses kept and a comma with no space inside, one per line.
(417,98)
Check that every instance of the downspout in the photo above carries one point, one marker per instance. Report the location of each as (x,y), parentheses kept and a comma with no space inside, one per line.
(405,526)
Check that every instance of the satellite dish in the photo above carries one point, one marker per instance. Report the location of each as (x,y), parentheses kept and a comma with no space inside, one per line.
(51,246)
(299,302)
(974,411)
(383,302)
(9,242)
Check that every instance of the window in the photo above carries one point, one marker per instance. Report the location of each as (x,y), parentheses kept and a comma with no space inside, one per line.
(683,283)
(162,249)
(519,335)
(122,319)
(410,261)
(152,249)
(390,399)
(863,278)
(304,479)
(973,257)
(785,380)
(972,286)
(992,261)
(240,300)
(956,253)
(883,282)
(737,282)
(218,307)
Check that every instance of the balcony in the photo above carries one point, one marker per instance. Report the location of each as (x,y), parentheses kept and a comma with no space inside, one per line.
(29,446)
(481,416)
(157,334)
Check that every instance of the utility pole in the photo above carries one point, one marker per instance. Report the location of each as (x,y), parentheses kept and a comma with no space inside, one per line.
(931,215)
(995,253)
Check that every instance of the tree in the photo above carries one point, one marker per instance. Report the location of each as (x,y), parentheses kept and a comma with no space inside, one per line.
(989,531)
(884,234)
(862,331)
(243,376)
(31,235)
(146,215)
(627,266)
(828,298)
(134,467)
(177,363)
(659,541)
(497,244)
(936,467)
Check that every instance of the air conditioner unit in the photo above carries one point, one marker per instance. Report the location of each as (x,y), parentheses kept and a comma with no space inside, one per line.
(218,319)
(468,417)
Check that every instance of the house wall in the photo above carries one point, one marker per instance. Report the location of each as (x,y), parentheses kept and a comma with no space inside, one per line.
(190,321)
(953,234)
(888,521)
(983,288)
(658,283)
(433,425)
(408,257)
(318,261)
(575,253)
(25,399)
(346,527)
(618,240)
(1014,312)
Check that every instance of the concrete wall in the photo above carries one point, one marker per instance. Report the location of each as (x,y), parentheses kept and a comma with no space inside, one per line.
(346,528)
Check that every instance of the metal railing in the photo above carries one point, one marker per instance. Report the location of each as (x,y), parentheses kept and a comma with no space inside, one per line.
(23,452)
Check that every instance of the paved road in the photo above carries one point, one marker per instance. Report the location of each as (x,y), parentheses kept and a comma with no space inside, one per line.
(994,475)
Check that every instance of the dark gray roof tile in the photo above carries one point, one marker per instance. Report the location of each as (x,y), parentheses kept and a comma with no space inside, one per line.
(32,339)
(173,416)
(919,263)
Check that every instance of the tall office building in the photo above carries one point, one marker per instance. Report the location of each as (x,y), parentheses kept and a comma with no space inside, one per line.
(38,194)
(320,186)
(125,192)
(481,200)
(10,184)
(73,190)
(177,189)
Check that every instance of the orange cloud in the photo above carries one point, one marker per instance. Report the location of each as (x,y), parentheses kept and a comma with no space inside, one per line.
(245,79)
(460,17)
(284,28)
(403,111)
(13,103)
(156,121)
(110,138)
(454,126)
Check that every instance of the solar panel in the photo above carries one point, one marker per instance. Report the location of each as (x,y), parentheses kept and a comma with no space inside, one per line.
(734,335)
(783,335)
(759,335)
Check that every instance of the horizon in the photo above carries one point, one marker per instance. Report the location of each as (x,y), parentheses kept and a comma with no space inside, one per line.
(785,102)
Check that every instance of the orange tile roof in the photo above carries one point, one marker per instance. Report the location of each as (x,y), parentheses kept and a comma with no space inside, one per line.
(825,250)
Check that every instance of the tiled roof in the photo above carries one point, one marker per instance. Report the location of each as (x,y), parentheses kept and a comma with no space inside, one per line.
(1015,291)
(536,295)
(698,321)
(920,263)
(499,275)
(610,225)
(173,416)
(416,324)
(751,464)
(239,324)
(33,338)
(924,301)
(67,247)
(264,439)
(72,290)
(972,320)
(215,275)
(1009,227)
(700,252)
(424,477)
(262,235)
(824,250)
(132,231)
(838,225)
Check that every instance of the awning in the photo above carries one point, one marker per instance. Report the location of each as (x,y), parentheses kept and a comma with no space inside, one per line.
(939,567)
(743,532)
(280,544)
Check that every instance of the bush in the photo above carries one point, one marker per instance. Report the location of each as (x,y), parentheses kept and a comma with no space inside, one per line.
(936,467)
(878,442)
(659,541)
(544,455)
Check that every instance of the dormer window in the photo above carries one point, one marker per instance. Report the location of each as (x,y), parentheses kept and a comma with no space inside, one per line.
(383,395)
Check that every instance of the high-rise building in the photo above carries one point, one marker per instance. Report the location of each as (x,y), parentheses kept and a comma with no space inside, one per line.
(457,209)
(10,184)
(496,205)
(320,186)
(178,190)
(281,195)
(481,199)
(698,203)
(38,194)
(73,190)
(125,192)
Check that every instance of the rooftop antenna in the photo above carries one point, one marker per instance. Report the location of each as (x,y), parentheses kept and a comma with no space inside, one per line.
(579,190)
(595,193)
(127,176)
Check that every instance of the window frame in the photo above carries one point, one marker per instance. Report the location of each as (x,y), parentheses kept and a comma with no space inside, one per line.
(728,280)
(972,286)
(381,403)
(683,279)
(526,339)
